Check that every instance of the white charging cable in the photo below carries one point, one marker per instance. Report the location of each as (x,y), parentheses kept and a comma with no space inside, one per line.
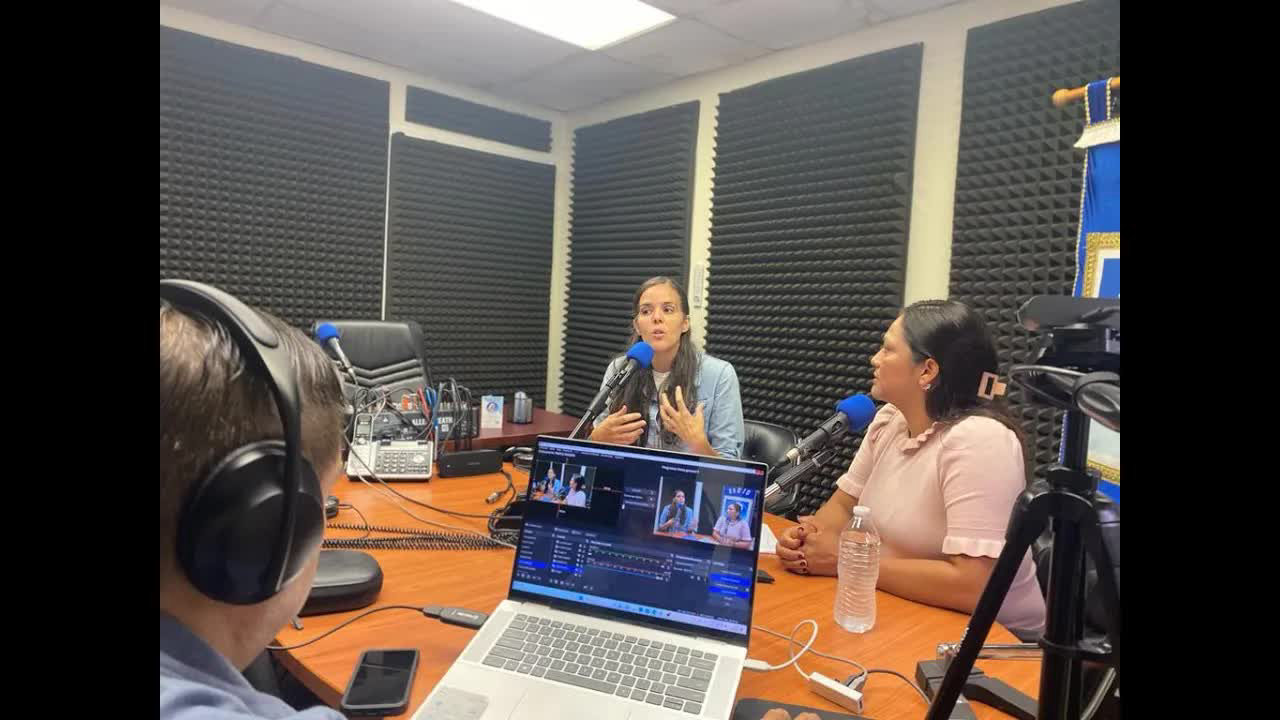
(833,690)
(762,666)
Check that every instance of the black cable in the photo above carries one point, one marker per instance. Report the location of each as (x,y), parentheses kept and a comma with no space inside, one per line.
(429,506)
(505,534)
(384,529)
(406,510)
(367,527)
(907,680)
(396,411)
(412,539)
(336,629)
(455,427)
(457,414)
(461,414)
(358,407)
(417,541)
(467,406)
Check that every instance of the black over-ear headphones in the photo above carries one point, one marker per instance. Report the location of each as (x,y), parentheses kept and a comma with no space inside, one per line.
(249,523)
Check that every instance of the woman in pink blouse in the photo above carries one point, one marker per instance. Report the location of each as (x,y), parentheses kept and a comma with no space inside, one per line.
(940,467)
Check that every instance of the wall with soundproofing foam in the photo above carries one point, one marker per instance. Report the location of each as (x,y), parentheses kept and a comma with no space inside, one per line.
(363,266)
(272,178)
(469,257)
(427,107)
(808,237)
(632,187)
(943,33)
(1019,178)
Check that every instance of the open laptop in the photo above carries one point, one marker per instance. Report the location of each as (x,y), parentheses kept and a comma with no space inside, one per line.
(615,612)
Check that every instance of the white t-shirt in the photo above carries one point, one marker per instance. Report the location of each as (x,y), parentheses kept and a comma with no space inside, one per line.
(577,498)
(659,378)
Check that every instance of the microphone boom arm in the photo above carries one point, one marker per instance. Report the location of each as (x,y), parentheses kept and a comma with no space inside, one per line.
(601,401)
(796,474)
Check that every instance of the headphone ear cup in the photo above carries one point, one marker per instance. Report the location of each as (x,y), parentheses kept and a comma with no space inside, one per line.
(230,528)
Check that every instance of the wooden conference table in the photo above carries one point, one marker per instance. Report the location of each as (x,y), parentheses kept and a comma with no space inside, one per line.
(905,631)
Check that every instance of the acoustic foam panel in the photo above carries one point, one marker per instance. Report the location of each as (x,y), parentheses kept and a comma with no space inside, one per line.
(1019,180)
(272,178)
(808,237)
(463,116)
(469,258)
(632,185)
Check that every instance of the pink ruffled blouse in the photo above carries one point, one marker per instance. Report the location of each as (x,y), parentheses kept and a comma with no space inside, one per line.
(947,491)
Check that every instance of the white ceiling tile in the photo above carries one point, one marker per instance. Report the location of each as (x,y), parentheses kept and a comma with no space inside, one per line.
(445,23)
(446,40)
(776,24)
(685,47)
(902,8)
(496,50)
(684,8)
(241,12)
(582,80)
(550,96)
(433,62)
(307,26)
(600,75)
(442,39)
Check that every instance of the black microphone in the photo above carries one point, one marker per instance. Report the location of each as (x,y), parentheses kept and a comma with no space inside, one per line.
(852,413)
(791,476)
(327,335)
(640,356)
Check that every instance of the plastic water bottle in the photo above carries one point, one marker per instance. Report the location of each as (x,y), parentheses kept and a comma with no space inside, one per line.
(859,568)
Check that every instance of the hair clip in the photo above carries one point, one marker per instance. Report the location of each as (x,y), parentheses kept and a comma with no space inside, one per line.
(990,386)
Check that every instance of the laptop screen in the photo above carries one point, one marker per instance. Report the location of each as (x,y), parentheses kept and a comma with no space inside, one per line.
(644,535)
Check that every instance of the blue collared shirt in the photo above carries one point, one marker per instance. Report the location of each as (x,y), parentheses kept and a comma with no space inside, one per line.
(722,412)
(686,513)
(196,683)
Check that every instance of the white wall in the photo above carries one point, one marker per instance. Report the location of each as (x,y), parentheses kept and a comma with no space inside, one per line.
(943,33)
(399,80)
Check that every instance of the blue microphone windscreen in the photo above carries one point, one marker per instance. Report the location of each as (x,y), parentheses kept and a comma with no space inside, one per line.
(860,410)
(642,352)
(324,331)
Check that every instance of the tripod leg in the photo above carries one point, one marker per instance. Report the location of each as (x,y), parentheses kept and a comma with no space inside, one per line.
(1107,564)
(1025,525)
(1061,678)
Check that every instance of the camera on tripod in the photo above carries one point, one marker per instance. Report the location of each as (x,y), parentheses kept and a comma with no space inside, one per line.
(1077,369)
(1078,365)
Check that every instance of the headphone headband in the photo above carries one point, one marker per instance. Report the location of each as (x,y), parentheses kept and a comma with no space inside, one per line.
(262,349)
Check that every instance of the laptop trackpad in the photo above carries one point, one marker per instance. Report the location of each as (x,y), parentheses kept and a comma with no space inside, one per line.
(542,702)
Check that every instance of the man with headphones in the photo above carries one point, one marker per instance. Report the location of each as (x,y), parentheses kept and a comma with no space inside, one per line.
(250,444)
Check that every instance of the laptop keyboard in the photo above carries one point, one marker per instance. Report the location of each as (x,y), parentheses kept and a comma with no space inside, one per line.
(627,666)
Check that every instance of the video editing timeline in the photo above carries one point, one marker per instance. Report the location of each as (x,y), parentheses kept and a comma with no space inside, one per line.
(606,555)
(632,563)
(584,566)
(581,560)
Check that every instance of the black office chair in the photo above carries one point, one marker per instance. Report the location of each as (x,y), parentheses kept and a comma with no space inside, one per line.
(383,353)
(769,443)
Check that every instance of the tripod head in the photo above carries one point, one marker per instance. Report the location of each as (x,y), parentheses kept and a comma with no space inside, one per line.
(1077,367)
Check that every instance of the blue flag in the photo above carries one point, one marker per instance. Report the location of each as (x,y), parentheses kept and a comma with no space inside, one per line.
(1098,248)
